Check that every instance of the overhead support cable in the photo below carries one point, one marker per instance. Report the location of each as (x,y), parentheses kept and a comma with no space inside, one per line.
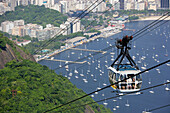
(141,30)
(125,94)
(107,86)
(132,35)
(66,28)
(168,105)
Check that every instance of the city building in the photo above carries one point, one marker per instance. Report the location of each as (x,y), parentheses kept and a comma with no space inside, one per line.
(3,8)
(7,26)
(122,2)
(64,7)
(152,6)
(18,22)
(75,41)
(165,4)
(141,6)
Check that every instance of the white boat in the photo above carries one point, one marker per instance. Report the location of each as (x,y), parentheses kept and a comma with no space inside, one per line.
(117,106)
(95,80)
(168,64)
(70,74)
(52,58)
(92,96)
(60,64)
(166,54)
(151,91)
(82,73)
(114,109)
(127,104)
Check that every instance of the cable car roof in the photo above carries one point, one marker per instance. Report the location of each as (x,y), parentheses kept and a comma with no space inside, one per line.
(125,69)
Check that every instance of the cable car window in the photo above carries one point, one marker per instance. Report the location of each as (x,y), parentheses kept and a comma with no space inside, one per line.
(121,77)
(139,78)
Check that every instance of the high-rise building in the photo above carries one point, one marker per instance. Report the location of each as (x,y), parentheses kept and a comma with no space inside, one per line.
(7,26)
(122,2)
(165,4)
(13,4)
(64,7)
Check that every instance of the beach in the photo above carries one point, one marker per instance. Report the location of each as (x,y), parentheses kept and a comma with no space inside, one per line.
(152,18)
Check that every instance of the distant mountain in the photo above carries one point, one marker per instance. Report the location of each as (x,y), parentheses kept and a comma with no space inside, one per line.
(35,14)
(10,51)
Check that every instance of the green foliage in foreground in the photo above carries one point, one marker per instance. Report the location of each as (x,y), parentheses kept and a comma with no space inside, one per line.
(35,14)
(38,89)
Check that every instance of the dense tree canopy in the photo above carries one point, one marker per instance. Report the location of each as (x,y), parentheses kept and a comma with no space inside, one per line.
(30,87)
(35,14)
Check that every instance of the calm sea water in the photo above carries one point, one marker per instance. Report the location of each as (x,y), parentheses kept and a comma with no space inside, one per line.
(153,44)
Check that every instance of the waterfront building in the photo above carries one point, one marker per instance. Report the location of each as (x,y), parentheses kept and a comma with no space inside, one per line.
(75,41)
(128,6)
(75,24)
(152,6)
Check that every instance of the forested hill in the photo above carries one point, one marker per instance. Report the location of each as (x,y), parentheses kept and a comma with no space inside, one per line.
(28,87)
(10,51)
(35,14)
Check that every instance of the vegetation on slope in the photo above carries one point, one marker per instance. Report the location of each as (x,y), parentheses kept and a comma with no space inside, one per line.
(38,89)
(4,40)
(35,14)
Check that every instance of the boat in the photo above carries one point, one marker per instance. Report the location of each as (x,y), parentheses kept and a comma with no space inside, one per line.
(127,104)
(166,54)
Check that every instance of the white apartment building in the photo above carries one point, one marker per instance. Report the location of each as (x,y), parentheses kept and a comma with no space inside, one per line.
(7,26)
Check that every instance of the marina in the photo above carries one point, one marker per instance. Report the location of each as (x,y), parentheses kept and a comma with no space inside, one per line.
(67,61)
(93,74)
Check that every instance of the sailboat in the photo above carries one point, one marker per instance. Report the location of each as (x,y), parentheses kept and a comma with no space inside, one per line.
(127,104)
(75,71)
(167,88)
(82,73)
(151,91)
(166,54)
(144,66)
(105,103)
(134,45)
(114,109)
(158,70)
(60,64)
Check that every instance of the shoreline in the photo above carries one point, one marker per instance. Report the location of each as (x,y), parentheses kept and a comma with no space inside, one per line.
(95,37)
(151,18)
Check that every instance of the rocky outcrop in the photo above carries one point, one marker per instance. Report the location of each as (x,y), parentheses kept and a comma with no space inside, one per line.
(88,109)
(17,54)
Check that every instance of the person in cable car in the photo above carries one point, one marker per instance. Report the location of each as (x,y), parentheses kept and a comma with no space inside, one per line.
(119,71)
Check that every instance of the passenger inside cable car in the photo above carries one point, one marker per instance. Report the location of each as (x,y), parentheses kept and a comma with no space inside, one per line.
(131,84)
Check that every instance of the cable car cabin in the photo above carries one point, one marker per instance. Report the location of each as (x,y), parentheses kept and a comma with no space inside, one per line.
(125,71)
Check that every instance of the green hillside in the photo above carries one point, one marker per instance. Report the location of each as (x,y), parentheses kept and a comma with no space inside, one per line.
(35,14)
(38,89)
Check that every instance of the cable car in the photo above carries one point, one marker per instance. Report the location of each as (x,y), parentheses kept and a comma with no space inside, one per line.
(119,71)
